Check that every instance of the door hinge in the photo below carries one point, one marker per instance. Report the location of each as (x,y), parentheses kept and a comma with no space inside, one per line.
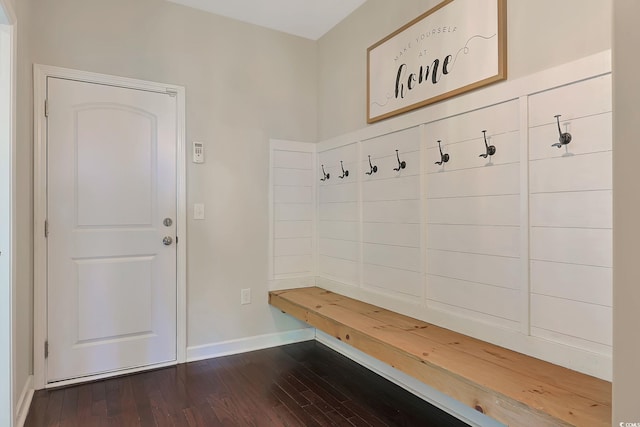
(46,108)
(46,349)
(176,240)
(46,228)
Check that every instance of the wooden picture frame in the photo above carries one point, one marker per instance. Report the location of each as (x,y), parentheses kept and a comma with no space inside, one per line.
(455,47)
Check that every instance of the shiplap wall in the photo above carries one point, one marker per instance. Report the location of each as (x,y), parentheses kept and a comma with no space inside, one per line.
(571,215)
(292,210)
(339,216)
(391,215)
(515,249)
(473,216)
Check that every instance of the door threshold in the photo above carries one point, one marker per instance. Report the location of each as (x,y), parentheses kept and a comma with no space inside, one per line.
(108,375)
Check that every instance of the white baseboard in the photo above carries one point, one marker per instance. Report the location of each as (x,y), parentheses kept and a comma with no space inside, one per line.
(24,402)
(418,388)
(243,345)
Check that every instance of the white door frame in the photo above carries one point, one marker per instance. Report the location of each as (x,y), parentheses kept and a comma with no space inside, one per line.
(40,74)
(8,411)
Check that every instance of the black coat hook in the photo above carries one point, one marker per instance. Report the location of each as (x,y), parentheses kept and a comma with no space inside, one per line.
(344,172)
(401,165)
(491,149)
(374,168)
(326,175)
(564,138)
(444,158)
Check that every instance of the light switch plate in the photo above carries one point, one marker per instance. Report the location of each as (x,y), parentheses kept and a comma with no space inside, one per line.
(198,211)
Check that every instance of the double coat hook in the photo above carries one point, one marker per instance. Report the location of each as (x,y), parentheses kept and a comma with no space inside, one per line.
(326,176)
(490,149)
(374,168)
(344,172)
(444,157)
(401,165)
(563,138)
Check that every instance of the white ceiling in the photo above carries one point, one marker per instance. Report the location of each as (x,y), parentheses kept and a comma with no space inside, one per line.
(310,19)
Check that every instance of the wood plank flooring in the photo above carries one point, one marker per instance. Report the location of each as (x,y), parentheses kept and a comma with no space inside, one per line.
(304,384)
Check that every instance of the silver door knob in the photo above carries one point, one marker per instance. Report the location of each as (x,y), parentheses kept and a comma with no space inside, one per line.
(167,240)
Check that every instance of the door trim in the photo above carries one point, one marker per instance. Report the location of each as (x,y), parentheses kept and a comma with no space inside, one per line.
(8,409)
(40,75)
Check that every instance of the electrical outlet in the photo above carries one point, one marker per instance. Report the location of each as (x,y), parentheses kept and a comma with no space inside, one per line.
(245,296)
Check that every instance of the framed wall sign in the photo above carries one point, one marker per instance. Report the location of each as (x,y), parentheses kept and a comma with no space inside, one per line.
(455,47)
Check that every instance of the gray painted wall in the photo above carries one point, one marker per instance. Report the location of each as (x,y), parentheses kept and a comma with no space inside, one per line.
(541,34)
(244,84)
(626,211)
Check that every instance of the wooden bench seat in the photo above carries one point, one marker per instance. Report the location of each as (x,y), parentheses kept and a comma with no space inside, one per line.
(513,388)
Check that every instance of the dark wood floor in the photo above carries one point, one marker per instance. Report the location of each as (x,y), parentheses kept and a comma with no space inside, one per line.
(304,384)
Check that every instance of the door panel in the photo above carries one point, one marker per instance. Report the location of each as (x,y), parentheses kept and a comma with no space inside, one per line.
(105,198)
(111,176)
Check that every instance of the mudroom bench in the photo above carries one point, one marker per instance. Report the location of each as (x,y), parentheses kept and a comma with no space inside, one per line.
(513,388)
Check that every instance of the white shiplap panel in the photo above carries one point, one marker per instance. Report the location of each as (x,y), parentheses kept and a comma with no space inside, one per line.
(387,163)
(392,280)
(465,155)
(589,135)
(572,342)
(392,234)
(572,245)
(487,269)
(293,212)
(586,209)
(346,153)
(495,119)
(483,181)
(400,211)
(342,249)
(404,141)
(292,177)
(473,316)
(292,264)
(292,229)
(338,269)
(292,160)
(488,210)
(392,256)
(339,212)
(401,188)
(492,300)
(576,319)
(571,281)
(580,99)
(338,230)
(292,194)
(488,240)
(575,173)
(334,172)
(302,246)
(347,192)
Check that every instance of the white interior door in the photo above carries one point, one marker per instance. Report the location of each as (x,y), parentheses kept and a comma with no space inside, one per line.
(111,202)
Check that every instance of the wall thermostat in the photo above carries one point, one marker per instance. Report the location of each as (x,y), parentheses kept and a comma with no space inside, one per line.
(198,152)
